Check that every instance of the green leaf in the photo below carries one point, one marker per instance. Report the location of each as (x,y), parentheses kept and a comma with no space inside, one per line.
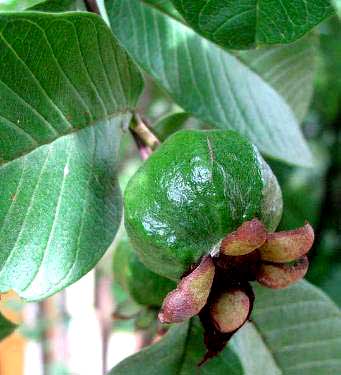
(239,24)
(207,81)
(170,124)
(194,190)
(144,286)
(337,5)
(327,96)
(165,6)
(6,327)
(66,89)
(302,190)
(56,6)
(331,283)
(179,352)
(289,69)
(293,331)
(17,6)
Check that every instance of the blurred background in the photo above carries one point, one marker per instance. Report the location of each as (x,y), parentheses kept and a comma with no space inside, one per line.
(94,324)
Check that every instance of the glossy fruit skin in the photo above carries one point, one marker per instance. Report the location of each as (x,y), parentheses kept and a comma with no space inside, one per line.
(194,190)
(144,286)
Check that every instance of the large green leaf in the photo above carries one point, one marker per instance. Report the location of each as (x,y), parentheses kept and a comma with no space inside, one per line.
(6,327)
(66,88)
(179,352)
(170,124)
(302,190)
(207,81)
(57,6)
(246,24)
(289,69)
(166,6)
(293,331)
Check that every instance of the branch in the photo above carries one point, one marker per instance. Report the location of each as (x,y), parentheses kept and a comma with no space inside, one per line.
(91,6)
(146,141)
(144,150)
(144,133)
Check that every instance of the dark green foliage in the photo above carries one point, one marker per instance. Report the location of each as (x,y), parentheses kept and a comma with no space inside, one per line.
(245,24)
(61,114)
(179,352)
(145,287)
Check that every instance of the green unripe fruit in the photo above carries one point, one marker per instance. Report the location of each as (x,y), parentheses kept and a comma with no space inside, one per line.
(144,286)
(194,190)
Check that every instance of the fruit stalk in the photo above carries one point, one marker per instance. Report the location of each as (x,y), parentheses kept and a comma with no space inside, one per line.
(144,133)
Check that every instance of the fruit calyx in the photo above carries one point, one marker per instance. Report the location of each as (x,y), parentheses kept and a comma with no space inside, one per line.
(248,237)
(219,289)
(191,294)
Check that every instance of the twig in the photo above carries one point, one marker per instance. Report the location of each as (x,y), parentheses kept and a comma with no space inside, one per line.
(144,150)
(144,133)
(91,6)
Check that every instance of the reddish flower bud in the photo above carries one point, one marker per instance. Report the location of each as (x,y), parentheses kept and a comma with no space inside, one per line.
(279,276)
(247,238)
(288,245)
(230,311)
(191,294)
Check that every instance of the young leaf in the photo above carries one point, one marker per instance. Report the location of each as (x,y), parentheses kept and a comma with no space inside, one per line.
(207,81)
(179,352)
(66,88)
(239,24)
(170,124)
(293,331)
(6,327)
(144,286)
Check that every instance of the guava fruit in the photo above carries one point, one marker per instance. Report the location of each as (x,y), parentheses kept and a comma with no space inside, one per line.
(195,189)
